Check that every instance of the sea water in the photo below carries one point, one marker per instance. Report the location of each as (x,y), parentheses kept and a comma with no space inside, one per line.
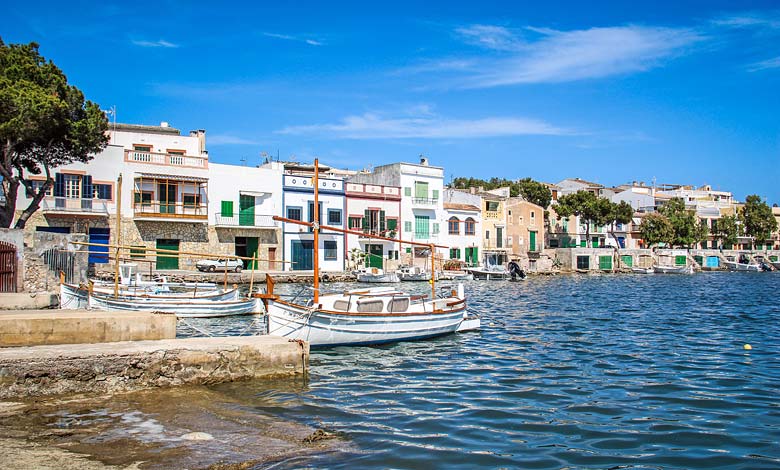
(586,371)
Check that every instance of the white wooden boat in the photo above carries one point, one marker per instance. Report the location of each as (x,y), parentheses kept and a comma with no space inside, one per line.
(749,266)
(368,316)
(455,276)
(490,273)
(414,273)
(640,270)
(689,269)
(376,275)
(75,297)
(186,308)
(130,277)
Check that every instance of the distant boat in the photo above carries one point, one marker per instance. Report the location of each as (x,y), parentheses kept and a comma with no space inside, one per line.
(689,269)
(743,263)
(640,270)
(455,276)
(414,273)
(490,273)
(376,275)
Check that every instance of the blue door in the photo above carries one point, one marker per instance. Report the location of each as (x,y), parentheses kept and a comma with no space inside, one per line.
(98,254)
(302,255)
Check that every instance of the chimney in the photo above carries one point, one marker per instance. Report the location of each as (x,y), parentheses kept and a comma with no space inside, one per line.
(423,160)
(473,190)
(164,124)
(202,141)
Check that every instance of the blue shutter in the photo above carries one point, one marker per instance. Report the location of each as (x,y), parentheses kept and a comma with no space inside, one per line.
(59,185)
(86,187)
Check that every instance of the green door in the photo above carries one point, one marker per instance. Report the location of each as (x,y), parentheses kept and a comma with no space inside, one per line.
(605,263)
(374,256)
(627,260)
(532,242)
(302,255)
(246,207)
(421,227)
(247,247)
(167,260)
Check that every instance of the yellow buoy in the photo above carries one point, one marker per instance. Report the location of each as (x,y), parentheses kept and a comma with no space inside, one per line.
(747,347)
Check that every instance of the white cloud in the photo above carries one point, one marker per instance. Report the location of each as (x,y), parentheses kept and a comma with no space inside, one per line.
(426,126)
(492,37)
(288,37)
(563,56)
(772,63)
(750,20)
(159,43)
(226,139)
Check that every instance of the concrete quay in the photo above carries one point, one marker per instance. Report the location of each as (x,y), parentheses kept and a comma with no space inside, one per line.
(46,327)
(39,371)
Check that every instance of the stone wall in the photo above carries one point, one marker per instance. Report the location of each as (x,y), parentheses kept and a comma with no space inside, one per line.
(42,275)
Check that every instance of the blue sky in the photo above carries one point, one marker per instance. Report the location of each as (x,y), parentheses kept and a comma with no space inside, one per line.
(683,92)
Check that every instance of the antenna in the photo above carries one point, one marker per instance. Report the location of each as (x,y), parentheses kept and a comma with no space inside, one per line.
(243,160)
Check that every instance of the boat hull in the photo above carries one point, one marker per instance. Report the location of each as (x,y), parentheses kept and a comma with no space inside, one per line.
(73,297)
(378,278)
(673,269)
(182,309)
(326,328)
(488,275)
(734,266)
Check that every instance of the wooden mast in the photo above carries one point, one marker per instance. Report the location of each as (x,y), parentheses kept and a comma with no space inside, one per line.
(316,228)
(118,233)
(433,272)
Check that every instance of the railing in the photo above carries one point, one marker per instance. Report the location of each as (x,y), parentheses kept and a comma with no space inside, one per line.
(492,215)
(238,220)
(424,201)
(378,233)
(66,204)
(494,243)
(164,210)
(166,159)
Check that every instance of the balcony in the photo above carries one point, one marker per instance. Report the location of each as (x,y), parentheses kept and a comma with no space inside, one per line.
(75,206)
(235,220)
(169,159)
(378,233)
(179,212)
(424,202)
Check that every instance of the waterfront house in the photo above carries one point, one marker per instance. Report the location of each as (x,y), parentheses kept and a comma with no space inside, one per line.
(494,242)
(298,204)
(373,209)
(525,230)
(462,226)
(422,209)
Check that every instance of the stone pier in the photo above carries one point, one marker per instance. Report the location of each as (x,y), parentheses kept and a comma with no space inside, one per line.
(51,370)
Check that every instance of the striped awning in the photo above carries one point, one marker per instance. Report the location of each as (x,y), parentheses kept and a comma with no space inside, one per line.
(191,179)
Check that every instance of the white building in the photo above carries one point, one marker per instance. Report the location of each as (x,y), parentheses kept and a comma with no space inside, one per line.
(298,204)
(373,209)
(462,226)
(422,210)
(172,198)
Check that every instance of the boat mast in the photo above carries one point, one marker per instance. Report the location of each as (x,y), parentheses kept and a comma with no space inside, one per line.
(316,228)
(118,233)
(433,272)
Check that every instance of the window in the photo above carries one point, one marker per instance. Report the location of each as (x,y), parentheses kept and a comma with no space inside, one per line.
(435,228)
(453,226)
(509,242)
(434,194)
(138,251)
(421,226)
(454,253)
(334,216)
(142,148)
(73,186)
(470,228)
(583,262)
(533,217)
(101,191)
(392,224)
(294,213)
(331,249)
(407,226)
(421,190)
(491,206)
(407,191)
(355,223)
(143,197)
(191,200)
(227,208)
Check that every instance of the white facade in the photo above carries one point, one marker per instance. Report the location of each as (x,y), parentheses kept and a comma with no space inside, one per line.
(298,203)
(374,209)
(640,198)
(461,227)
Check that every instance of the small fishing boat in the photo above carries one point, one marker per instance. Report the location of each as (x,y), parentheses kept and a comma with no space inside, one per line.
(641,270)
(75,297)
(414,273)
(182,308)
(687,269)
(376,275)
(744,262)
(363,316)
(490,273)
(455,276)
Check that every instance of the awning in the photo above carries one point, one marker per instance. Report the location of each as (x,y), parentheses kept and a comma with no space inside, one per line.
(157,176)
(253,193)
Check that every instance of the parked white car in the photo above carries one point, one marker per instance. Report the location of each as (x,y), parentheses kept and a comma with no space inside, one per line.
(222,264)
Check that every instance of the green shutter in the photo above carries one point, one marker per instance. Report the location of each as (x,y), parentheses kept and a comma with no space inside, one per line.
(381,221)
(366,215)
(435,228)
(227,209)
(407,226)
(407,191)
(392,224)
(420,190)
(434,194)
(605,262)
(680,260)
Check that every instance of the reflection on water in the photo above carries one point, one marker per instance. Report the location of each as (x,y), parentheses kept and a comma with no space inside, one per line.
(611,371)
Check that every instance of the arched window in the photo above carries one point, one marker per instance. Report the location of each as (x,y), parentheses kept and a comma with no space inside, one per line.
(471,228)
(454,225)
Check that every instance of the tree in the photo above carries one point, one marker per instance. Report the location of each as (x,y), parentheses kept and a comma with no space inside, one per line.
(688,230)
(727,230)
(621,213)
(44,123)
(585,205)
(757,218)
(656,228)
(534,192)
